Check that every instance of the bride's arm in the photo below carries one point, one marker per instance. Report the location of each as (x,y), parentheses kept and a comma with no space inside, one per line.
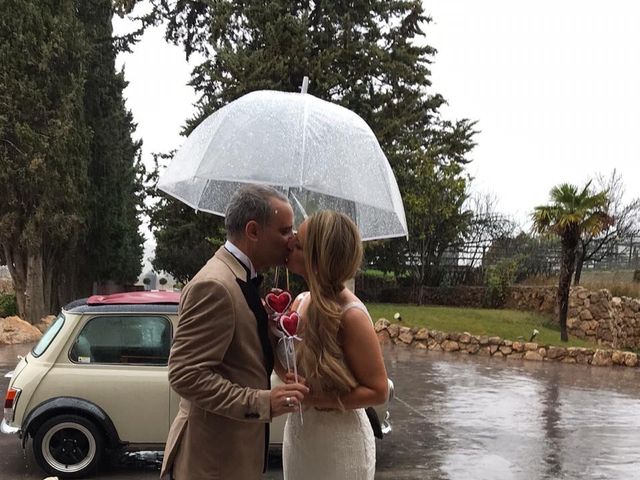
(363,357)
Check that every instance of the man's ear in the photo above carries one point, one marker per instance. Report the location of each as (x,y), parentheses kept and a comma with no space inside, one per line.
(252,230)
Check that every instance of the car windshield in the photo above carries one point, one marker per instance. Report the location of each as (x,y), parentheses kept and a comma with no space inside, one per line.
(48,336)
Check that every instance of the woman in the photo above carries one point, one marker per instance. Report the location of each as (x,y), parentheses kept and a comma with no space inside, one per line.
(339,356)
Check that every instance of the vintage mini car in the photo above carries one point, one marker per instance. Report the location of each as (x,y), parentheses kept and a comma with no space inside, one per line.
(97,382)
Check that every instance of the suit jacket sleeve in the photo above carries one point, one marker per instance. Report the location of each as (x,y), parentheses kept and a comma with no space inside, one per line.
(205,330)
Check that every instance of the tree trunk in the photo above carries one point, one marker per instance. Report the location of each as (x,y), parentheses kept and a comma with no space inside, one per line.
(35,307)
(569,244)
(581,254)
(17,270)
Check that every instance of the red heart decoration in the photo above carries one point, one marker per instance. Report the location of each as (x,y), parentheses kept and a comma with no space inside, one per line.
(279,302)
(289,323)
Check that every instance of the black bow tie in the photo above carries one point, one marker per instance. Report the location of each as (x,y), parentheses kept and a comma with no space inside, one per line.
(257,280)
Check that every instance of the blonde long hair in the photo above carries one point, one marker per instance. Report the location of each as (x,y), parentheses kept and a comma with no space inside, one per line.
(332,255)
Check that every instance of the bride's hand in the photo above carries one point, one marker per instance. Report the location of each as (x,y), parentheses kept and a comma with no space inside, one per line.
(290,377)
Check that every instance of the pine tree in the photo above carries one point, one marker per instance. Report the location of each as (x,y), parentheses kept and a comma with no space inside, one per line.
(113,246)
(43,145)
(367,56)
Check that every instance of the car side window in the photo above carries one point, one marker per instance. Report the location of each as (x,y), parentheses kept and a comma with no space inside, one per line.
(120,339)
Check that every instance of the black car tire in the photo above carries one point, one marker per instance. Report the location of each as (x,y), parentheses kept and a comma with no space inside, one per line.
(69,446)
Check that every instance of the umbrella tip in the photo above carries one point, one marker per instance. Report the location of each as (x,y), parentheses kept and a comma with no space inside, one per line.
(305,84)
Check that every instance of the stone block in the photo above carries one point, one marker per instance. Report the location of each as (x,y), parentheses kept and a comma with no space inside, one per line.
(495,340)
(383,337)
(422,334)
(618,357)
(453,336)
(531,346)
(450,346)
(556,353)
(472,348)
(602,358)
(586,315)
(382,324)
(438,335)
(394,330)
(631,359)
(406,336)
(531,355)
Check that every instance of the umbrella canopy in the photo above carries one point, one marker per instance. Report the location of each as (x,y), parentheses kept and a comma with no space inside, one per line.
(322,156)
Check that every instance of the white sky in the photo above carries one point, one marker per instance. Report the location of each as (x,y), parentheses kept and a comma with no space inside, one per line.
(554,85)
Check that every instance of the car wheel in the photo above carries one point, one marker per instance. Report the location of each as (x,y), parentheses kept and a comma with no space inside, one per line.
(68,445)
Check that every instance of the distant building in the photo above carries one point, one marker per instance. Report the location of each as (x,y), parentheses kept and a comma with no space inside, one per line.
(152,280)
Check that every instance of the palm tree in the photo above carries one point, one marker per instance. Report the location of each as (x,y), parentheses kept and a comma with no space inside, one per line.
(571,214)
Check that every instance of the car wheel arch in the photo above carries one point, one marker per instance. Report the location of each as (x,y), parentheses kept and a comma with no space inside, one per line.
(74,406)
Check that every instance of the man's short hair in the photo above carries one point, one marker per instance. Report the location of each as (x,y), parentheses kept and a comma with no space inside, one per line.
(251,202)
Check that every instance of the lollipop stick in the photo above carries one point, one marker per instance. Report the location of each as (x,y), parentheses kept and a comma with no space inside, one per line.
(295,374)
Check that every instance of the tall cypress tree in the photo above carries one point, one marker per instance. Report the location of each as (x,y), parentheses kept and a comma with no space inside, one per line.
(113,247)
(43,145)
(365,55)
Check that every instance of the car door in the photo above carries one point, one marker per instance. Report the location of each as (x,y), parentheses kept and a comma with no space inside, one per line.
(119,363)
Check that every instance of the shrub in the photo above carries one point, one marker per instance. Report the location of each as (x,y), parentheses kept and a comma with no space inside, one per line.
(498,279)
(8,305)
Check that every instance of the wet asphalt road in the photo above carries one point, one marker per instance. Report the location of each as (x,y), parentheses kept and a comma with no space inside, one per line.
(467,417)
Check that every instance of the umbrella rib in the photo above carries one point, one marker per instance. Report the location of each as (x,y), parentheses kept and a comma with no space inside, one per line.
(304,137)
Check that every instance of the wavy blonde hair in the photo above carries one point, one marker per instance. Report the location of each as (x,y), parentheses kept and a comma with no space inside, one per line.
(332,255)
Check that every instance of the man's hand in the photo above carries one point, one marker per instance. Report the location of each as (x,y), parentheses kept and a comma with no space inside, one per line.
(286,398)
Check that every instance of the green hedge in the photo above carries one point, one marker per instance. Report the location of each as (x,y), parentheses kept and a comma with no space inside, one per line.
(8,305)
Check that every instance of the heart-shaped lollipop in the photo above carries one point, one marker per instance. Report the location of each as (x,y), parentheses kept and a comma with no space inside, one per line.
(289,323)
(279,302)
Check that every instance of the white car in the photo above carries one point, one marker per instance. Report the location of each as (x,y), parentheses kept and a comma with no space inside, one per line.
(97,381)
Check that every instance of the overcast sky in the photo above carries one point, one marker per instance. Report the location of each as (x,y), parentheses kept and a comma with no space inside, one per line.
(554,86)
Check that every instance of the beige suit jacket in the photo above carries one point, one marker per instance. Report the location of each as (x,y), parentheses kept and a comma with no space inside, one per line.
(218,369)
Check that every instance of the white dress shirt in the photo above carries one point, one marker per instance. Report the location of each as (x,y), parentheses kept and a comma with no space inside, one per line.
(240,255)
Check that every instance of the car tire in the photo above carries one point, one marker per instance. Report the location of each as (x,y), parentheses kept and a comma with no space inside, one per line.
(69,446)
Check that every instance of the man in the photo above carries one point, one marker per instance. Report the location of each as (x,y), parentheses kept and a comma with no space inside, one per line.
(221,358)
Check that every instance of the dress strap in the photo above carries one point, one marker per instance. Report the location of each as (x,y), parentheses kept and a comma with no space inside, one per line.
(358,305)
(301,297)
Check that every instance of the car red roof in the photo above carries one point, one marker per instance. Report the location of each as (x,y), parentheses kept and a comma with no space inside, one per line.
(146,297)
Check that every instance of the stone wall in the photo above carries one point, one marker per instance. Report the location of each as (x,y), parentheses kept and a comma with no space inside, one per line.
(460,296)
(602,318)
(595,316)
(435,340)
(538,299)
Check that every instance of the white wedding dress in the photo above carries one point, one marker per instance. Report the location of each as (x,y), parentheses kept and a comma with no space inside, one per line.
(328,444)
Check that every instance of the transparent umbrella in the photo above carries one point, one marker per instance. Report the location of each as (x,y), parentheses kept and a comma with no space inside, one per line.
(321,155)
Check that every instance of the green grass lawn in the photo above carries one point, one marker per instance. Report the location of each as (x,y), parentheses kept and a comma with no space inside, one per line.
(508,324)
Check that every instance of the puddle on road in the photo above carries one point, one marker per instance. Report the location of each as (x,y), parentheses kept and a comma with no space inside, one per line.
(512,420)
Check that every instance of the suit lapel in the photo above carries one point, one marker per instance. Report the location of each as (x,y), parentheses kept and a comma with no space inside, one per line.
(252,296)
